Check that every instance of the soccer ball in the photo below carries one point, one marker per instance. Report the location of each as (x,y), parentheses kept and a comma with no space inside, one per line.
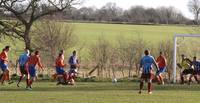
(114,80)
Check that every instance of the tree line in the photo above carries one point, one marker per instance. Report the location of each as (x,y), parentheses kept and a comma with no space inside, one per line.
(135,15)
(112,13)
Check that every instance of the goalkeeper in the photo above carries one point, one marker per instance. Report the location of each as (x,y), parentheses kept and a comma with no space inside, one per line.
(186,66)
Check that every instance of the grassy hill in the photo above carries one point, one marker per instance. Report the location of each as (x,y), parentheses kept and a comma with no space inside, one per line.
(88,34)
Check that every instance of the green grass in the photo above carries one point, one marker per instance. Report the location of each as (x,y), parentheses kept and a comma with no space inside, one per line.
(46,92)
(154,33)
(88,34)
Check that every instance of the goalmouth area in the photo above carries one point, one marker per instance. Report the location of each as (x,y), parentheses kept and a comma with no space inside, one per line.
(175,52)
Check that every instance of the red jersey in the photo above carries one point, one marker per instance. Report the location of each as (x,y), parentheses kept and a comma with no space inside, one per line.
(34,60)
(161,60)
(4,56)
(60,62)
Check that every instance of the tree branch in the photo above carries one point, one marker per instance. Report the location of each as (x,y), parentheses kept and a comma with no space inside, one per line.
(16,13)
(68,4)
(11,29)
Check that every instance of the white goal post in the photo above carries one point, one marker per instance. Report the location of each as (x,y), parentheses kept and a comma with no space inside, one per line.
(175,51)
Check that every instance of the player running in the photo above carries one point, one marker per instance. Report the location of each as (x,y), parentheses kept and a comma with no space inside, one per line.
(74,65)
(196,65)
(4,65)
(60,67)
(186,64)
(162,63)
(31,64)
(22,66)
(146,65)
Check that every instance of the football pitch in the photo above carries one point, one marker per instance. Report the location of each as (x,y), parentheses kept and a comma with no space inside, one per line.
(104,92)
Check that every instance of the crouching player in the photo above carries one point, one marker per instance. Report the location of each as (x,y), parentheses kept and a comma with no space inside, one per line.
(162,62)
(146,64)
(186,64)
(196,65)
(31,64)
(23,70)
(74,65)
(60,67)
(4,65)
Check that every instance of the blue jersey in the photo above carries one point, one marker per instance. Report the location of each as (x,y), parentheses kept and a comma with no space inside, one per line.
(196,65)
(73,60)
(146,63)
(23,59)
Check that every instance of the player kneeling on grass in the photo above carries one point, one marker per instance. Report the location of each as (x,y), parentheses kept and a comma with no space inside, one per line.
(22,67)
(74,65)
(162,63)
(196,72)
(186,64)
(146,64)
(4,65)
(60,68)
(31,64)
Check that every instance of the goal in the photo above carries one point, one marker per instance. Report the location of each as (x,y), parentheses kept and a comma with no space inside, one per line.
(175,52)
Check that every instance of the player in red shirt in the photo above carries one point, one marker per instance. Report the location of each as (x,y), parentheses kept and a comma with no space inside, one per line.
(162,63)
(60,67)
(31,66)
(4,65)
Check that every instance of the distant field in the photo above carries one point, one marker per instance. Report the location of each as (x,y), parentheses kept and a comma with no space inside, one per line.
(88,34)
(48,92)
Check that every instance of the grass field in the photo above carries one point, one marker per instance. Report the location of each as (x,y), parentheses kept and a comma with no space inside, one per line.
(48,92)
(88,34)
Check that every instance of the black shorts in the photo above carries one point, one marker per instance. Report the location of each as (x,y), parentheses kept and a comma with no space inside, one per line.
(72,70)
(23,70)
(188,71)
(196,72)
(147,76)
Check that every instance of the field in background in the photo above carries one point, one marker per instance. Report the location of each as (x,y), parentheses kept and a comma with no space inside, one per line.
(88,34)
(48,92)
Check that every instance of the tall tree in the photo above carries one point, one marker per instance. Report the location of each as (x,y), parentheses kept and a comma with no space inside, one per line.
(26,12)
(194,7)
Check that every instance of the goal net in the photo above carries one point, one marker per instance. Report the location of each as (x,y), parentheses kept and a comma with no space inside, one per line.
(192,48)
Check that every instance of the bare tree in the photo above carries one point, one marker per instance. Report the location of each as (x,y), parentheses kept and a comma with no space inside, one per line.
(194,7)
(100,54)
(26,12)
(137,14)
(54,36)
(109,12)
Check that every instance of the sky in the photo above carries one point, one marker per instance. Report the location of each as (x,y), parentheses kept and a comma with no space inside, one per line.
(125,4)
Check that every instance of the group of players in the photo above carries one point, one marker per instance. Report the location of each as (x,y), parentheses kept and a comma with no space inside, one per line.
(28,62)
(147,62)
(27,66)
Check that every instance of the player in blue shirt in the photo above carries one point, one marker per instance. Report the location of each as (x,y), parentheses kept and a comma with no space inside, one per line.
(196,72)
(74,65)
(22,65)
(146,65)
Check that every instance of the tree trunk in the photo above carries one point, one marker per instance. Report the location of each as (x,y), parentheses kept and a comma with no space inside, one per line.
(197,18)
(113,72)
(27,39)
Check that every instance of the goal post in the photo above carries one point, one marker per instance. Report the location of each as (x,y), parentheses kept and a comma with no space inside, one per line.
(175,52)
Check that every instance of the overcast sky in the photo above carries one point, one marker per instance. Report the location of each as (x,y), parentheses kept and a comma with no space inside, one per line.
(179,4)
